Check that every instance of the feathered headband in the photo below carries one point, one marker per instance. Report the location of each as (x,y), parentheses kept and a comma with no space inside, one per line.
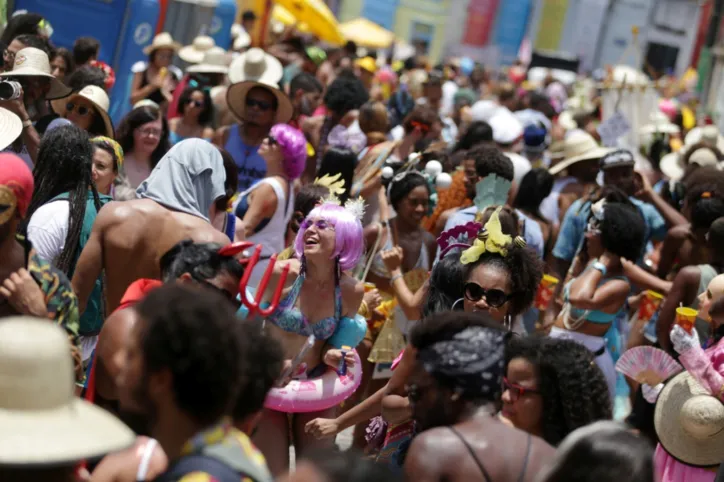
(356,207)
(333,183)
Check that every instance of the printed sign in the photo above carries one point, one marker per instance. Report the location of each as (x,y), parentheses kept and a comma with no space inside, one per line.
(613,128)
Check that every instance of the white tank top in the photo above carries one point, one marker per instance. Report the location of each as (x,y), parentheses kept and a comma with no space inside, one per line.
(271,236)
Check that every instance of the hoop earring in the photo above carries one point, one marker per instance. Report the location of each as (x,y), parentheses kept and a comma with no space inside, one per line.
(337,271)
(458,301)
(508,322)
(303,269)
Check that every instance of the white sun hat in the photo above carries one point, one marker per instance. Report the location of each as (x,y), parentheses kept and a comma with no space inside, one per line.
(43,422)
(578,147)
(194,53)
(10,127)
(216,61)
(98,97)
(32,62)
(690,422)
(164,40)
(672,164)
(257,66)
(507,129)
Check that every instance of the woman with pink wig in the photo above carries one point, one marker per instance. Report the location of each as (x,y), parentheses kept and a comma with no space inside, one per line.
(263,211)
(319,305)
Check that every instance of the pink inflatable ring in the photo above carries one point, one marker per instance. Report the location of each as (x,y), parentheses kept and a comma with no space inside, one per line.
(316,394)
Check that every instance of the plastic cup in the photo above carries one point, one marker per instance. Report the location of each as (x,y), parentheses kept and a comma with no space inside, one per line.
(685,318)
(370,287)
(546,289)
(650,302)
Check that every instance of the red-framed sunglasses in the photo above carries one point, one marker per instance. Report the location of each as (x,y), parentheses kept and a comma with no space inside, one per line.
(517,391)
(424,128)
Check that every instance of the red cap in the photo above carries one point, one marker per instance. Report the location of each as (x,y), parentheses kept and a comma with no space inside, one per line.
(16,176)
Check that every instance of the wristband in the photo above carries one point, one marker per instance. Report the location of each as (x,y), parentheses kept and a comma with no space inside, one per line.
(395,278)
(27,123)
(600,267)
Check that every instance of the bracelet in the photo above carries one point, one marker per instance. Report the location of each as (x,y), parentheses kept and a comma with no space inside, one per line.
(600,267)
(27,123)
(395,278)
(364,310)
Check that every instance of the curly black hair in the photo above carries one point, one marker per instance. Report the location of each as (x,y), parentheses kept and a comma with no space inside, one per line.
(623,230)
(85,76)
(261,367)
(64,165)
(444,326)
(525,269)
(446,284)
(196,337)
(400,188)
(201,260)
(207,114)
(491,160)
(21,24)
(477,132)
(573,388)
(706,210)
(135,119)
(345,94)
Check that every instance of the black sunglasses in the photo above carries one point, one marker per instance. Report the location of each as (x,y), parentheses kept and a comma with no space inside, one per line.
(259,103)
(196,103)
(495,298)
(82,110)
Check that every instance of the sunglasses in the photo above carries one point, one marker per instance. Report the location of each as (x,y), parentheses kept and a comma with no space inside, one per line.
(495,298)
(233,299)
(321,224)
(195,103)
(262,105)
(424,128)
(516,391)
(80,109)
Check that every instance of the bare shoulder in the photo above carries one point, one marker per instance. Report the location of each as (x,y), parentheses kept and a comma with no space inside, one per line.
(433,445)
(353,291)
(679,232)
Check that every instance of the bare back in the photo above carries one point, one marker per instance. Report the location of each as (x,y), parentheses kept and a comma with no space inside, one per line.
(128,240)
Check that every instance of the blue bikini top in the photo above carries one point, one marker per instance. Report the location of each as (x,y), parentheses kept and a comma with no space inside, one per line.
(594,316)
(290,319)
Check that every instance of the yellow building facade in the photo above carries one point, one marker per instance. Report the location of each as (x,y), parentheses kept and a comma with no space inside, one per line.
(424,20)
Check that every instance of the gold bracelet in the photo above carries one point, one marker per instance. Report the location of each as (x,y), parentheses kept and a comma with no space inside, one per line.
(364,310)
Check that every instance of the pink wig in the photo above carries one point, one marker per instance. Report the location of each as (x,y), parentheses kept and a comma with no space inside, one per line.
(349,243)
(294,148)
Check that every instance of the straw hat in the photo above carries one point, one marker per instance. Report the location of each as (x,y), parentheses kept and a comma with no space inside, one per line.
(10,127)
(579,146)
(32,62)
(162,41)
(236,100)
(215,61)
(672,164)
(43,422)
(257,66)
(690,422)
(98,97)
(194,53)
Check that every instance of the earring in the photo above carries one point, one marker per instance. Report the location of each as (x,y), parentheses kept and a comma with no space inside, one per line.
(337,270)
(508,322)
(303,269)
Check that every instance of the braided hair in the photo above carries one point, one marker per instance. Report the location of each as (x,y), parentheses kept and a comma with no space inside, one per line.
(64,165)
(572,387)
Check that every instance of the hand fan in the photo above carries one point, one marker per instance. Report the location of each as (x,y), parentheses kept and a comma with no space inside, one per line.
(648,365)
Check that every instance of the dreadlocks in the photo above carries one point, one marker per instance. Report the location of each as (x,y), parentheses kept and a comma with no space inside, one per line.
(64,165)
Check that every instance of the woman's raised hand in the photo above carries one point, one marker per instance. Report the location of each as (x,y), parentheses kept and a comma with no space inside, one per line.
(392,258)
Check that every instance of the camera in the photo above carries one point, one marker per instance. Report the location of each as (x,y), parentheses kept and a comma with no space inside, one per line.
(10,90)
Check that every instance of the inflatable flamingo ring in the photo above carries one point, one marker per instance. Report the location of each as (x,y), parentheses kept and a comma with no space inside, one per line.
(329,389)
(315,394)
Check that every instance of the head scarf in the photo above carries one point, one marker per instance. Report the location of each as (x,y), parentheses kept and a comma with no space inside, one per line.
(189,178)
(473,361)
(116,147)
(16,187)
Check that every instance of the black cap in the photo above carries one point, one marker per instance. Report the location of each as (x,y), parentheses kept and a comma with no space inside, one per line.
(618,158)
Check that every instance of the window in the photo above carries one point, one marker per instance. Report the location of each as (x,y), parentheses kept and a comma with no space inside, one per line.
(421,36)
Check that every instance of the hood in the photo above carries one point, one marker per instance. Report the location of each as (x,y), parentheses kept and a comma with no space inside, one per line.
(189,178)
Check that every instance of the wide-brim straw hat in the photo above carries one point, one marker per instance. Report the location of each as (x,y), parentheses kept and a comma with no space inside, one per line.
(578,147)
(690,422)
(42,421)
(236,100)
(32,62)
(672,164)
(216,61)
(255,65)
(163,40)
(195,52)
(10,127)
(98,97)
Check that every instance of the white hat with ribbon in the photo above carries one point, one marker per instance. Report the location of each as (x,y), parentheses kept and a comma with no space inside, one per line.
(216,61)
(257,66)
(194,53)
(32,62)
(43,422)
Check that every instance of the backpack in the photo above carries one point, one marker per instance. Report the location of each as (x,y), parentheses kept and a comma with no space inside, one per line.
(202,463)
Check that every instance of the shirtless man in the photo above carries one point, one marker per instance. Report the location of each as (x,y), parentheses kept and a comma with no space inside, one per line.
(176,203)
(452,391)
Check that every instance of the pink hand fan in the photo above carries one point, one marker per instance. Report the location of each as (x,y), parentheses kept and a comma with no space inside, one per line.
(647,364)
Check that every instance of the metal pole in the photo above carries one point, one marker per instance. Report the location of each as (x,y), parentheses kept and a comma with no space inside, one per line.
(705,62)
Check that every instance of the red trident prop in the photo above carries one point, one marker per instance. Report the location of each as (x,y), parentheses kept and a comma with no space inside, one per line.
(253,306)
